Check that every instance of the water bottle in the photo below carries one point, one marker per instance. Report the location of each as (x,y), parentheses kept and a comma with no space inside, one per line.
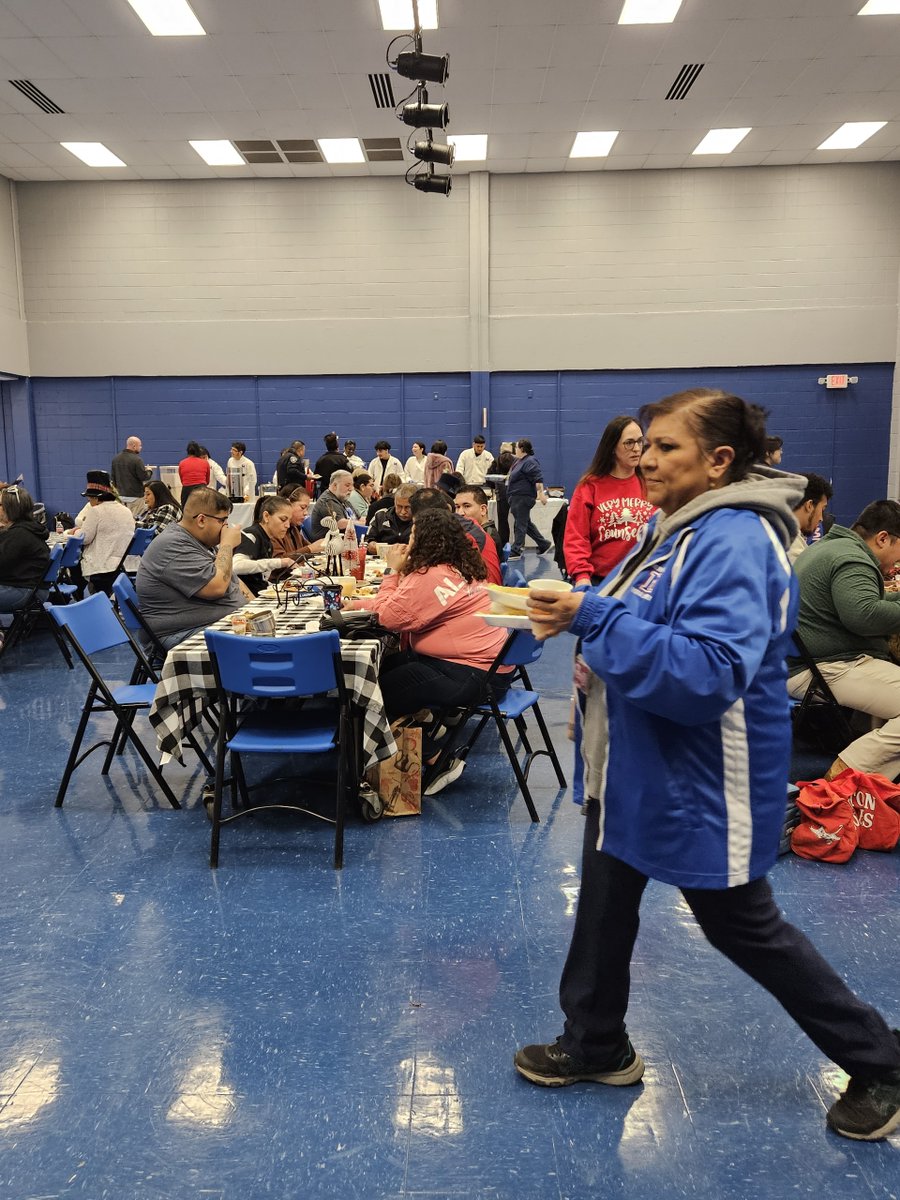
(350,550)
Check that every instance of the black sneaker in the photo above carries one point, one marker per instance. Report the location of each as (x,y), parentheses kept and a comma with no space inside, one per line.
(868,1110)
(550,1066)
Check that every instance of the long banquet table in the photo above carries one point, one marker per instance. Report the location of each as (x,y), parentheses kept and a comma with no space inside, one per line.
(187,683)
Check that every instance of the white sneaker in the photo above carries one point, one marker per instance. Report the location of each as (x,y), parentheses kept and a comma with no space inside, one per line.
(449,775)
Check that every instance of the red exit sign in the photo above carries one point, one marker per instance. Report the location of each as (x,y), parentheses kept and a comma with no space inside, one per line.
(836,381)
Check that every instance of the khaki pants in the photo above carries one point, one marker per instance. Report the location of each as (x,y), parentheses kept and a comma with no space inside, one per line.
(868,685)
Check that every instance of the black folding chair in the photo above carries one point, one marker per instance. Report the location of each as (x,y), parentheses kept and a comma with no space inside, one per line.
(90,627)
(818,717)
(520,650)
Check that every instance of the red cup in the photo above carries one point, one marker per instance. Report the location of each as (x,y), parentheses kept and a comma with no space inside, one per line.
(358,571)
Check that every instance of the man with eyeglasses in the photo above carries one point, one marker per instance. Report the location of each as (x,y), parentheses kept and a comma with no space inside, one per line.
(185,580)
(845,620)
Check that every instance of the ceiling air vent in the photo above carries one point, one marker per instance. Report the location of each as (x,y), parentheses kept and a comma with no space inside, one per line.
(300,150)
(36,96)
(684,81)
(382,90)
(383,149)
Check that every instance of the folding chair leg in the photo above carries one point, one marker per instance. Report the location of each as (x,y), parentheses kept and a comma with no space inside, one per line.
(154,768)
(218,785)
(514,763)
(551,749)
(523,734)
(72,760)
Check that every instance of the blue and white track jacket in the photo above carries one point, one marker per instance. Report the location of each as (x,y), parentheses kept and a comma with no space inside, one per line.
(686,729)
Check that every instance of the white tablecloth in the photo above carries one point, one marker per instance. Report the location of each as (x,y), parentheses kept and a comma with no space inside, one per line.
(541,514)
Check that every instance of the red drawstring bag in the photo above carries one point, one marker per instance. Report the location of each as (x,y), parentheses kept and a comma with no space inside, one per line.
(827,830)
(854,808)
(874,800)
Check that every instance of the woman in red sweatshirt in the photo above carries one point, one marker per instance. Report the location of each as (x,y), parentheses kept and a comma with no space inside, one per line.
(609,507)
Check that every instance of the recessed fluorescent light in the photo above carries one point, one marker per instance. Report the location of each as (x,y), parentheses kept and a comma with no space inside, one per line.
(95,154)
(593,145)
(880,8)
(470,147)
(341,150)
(398,14)
(721,141)
(219,154)
(851,134)
(168,18)
(649,12)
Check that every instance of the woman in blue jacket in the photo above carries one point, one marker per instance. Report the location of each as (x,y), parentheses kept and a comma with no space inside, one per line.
(525,486)
(686,747)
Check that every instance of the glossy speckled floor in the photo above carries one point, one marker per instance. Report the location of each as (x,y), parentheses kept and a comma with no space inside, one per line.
(279,1029)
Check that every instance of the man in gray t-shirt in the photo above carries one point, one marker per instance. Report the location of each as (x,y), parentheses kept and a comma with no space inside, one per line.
(185,580)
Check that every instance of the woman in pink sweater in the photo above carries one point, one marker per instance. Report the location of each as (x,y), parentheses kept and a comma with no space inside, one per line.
(433,597)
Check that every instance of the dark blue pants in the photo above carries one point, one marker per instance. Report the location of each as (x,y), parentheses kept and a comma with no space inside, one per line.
(745,924)
(523,526)
(411,681)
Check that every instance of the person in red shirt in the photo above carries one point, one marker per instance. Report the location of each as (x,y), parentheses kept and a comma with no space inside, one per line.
(609,507)
(193,471)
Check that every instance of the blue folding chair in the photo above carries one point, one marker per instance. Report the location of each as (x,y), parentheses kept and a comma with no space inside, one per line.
(306,528)
(90,627)
(63,590)
(520,650)
(504,553)
(139,543)
(132,618)
(362,532)
(27,614)
(258,669)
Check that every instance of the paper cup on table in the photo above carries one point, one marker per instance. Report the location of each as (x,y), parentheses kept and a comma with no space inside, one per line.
(382,549)
(347,585)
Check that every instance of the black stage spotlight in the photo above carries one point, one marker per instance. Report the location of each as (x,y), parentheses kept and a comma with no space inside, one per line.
(435,152)
(425,116)
(433,183)
(430,68)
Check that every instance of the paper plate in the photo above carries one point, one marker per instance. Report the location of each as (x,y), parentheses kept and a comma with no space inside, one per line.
(506,620)
(508,597)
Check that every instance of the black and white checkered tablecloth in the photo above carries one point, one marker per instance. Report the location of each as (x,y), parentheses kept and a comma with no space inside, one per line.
(187,683)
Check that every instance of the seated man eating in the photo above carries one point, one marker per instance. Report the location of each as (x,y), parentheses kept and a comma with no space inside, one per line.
(186,580)
(844,620)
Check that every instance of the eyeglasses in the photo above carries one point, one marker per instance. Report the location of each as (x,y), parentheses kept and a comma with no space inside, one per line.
(210,517)
(635,443)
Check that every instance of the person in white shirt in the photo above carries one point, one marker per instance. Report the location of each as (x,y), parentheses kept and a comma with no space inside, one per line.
(356,463)
(415,464)
(107,527)
(217,477)
(475,463)
(810,512)
(247,469)
(383,464)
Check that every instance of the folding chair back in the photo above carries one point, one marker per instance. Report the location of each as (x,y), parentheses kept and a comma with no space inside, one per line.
(304,665)
(362,532)
(521,650)
(91,623)
(306,528)
(72,550)
(505,552)
(139,543)
(277,668)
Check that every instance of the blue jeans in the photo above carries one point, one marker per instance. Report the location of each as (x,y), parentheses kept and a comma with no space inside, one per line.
(520,507)
(12,598)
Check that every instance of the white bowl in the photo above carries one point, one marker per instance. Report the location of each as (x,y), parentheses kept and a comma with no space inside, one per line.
(549,585)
